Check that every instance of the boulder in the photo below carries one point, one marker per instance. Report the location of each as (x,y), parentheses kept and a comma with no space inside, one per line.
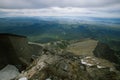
(9,72)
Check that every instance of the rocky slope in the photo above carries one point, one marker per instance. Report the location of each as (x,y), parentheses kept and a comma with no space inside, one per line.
(103,51)
(63,64)
(64,60)
(54,67)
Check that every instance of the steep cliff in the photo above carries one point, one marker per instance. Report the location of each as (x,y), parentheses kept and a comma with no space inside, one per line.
(14,49)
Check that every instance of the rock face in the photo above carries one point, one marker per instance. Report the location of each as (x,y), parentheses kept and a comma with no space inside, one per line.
(103,51)
(14,49)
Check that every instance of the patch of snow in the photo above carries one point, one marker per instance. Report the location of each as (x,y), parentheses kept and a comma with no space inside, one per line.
(86,63)
(98,66)
(48,79)
(87,57)
(9,72)
(23,78)
(83,62)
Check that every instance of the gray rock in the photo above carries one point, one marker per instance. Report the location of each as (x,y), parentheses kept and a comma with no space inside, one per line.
(9,72)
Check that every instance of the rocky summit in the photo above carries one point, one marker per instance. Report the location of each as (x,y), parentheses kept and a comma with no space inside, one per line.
(63,60)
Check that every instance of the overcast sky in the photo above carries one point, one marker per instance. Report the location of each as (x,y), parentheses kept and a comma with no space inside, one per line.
(91,8)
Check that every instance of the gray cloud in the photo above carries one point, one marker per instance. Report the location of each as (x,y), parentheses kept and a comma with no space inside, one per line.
(30,4)
(95,8)
(57,11)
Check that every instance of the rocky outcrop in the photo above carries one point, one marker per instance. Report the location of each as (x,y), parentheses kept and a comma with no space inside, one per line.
(14,49)
(9,72)
(66,67)
(103,51)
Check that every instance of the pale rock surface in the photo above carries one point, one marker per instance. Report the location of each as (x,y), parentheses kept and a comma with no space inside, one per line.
(9,72)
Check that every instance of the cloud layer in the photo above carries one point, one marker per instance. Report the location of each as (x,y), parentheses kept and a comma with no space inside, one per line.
(18,4)
(95,8)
